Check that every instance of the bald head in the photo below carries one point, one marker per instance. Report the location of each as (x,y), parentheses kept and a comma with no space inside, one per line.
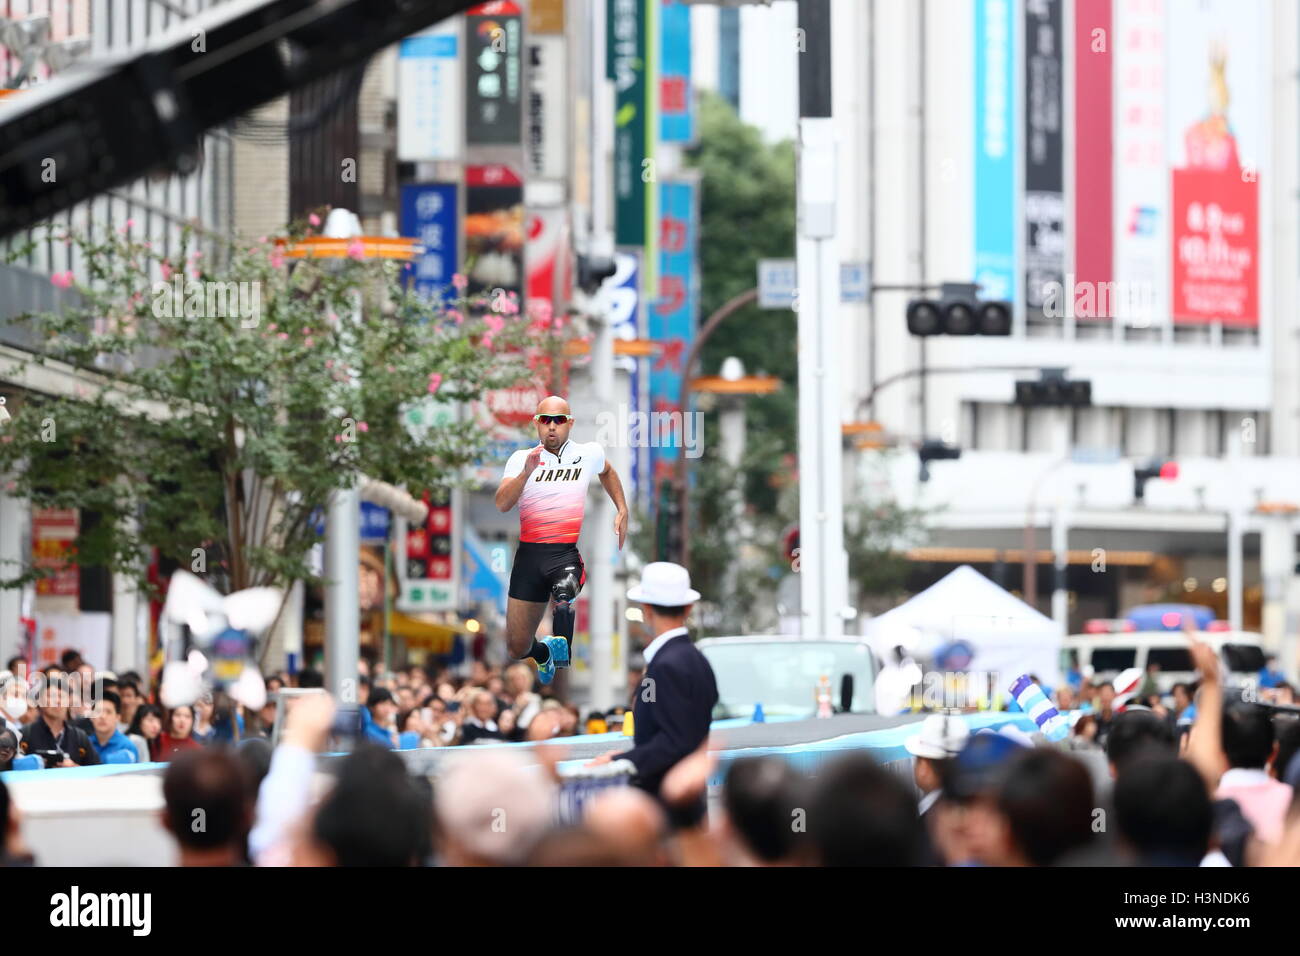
(553,434)
(631,823)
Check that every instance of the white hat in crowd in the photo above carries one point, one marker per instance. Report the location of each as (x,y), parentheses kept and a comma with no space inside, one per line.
(942,736)
(665,584)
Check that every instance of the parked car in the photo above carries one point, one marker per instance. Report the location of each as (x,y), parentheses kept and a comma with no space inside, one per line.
(784,673)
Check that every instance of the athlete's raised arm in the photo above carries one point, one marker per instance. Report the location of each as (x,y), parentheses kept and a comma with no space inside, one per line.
(512,485)
(609,480)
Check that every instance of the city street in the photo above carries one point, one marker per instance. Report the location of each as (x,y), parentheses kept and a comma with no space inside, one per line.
(652,433)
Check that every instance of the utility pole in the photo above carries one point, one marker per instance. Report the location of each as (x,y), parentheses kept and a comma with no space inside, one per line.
(824,564)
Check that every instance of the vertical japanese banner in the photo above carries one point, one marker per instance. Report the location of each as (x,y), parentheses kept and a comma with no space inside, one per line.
(995,157)
(546,256)
(676,95)
(1141,167)
(428,214)
(672,315)
(431,104)
(1219,108)
(1044,211)
(1093,147)
(54,531)
(627,66)
(494,228)
(620,299)
(493,80)
(546,137)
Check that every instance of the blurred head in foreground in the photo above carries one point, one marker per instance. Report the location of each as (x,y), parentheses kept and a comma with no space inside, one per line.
(492,808)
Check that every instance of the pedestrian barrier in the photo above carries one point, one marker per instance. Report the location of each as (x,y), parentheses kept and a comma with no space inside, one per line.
(580,785)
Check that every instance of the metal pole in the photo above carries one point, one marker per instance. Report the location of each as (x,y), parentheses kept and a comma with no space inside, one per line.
(1236,562)
(601,626)
(343,549)
(824,572)
(1061,555)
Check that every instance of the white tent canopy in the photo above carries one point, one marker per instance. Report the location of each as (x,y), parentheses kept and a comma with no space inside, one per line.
(1005,634)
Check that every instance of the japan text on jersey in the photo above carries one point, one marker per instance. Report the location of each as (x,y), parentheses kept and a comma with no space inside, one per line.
(554,498)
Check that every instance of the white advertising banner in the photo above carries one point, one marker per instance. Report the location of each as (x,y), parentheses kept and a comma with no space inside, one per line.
(430,102)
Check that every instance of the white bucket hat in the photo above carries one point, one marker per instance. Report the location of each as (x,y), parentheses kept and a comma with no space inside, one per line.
(942,736)
(665,584)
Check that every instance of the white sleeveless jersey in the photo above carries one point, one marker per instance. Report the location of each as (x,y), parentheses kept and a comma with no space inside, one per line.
(555,496)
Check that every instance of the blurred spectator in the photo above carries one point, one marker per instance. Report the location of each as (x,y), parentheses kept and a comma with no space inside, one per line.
(13,852)
(1137,733)
(203,732)
(631,824)
(478,674)
(1269,675)
(762,798)
(109,742)
(1073,676)
(51,730)
(523,701)
(1182,694)
(492,808)
(574,846)
(129,693)
(1065,699)
(1162,812)
(146,731)
(208,807)
(1084,733)
(1046,804)
(1150,685)
(1287,730)
(70,660)
(377,718)
(862,815)
(8,749)
(480,724)
(17,666)
(1105,711)
(274,683)
(1248,745)
(968,813)
(373,816)
(13,705)
(178,733)
(313,678)
(941,738)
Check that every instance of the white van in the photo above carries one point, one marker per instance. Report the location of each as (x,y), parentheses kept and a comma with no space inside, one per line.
(1102,656)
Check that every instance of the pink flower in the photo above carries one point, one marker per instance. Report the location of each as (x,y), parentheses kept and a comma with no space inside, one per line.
(455,314)
(391,368)
(435,380)
(196,254)
(308,341)
(62,279)
(487,341)
(363,427)
(494,323)
(329,363)
(356,249)
(314,219)
(277,260)
(541,310)
(306,331)
(338,437)
(261,239)
(166,269)
(272,327)
(283,336)
(459,281)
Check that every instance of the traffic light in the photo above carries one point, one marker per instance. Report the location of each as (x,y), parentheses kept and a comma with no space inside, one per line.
(1053,389)
(958,311)
(1164,470)
(934,450)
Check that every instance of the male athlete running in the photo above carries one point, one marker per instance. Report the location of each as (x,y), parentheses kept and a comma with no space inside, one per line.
(549,483)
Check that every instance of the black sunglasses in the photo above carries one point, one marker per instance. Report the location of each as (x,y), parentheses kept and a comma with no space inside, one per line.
(552,419)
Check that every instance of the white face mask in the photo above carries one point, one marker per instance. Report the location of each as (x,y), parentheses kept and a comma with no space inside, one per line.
(15,707)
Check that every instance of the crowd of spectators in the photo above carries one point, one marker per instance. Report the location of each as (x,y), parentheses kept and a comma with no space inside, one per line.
(1219,790)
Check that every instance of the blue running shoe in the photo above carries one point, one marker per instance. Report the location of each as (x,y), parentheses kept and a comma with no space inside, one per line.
(559,647)
(546,672)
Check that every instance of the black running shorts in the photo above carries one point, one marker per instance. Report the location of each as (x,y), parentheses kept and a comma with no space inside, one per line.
(537,565)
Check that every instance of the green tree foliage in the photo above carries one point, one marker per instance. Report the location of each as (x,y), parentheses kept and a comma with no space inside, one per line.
(206,427)
(747,213)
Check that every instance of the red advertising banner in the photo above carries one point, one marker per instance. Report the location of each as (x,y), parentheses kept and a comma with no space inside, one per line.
(53,533)
(1215,247)
(1093,143)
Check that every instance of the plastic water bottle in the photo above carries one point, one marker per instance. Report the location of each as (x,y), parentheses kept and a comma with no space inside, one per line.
(1053,724)
(759,717)
(824,708)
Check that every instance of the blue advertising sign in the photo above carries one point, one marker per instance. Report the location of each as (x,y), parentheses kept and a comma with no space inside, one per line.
(676,96)
(672,320)
(995,150)
(621,302)
(429,216)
